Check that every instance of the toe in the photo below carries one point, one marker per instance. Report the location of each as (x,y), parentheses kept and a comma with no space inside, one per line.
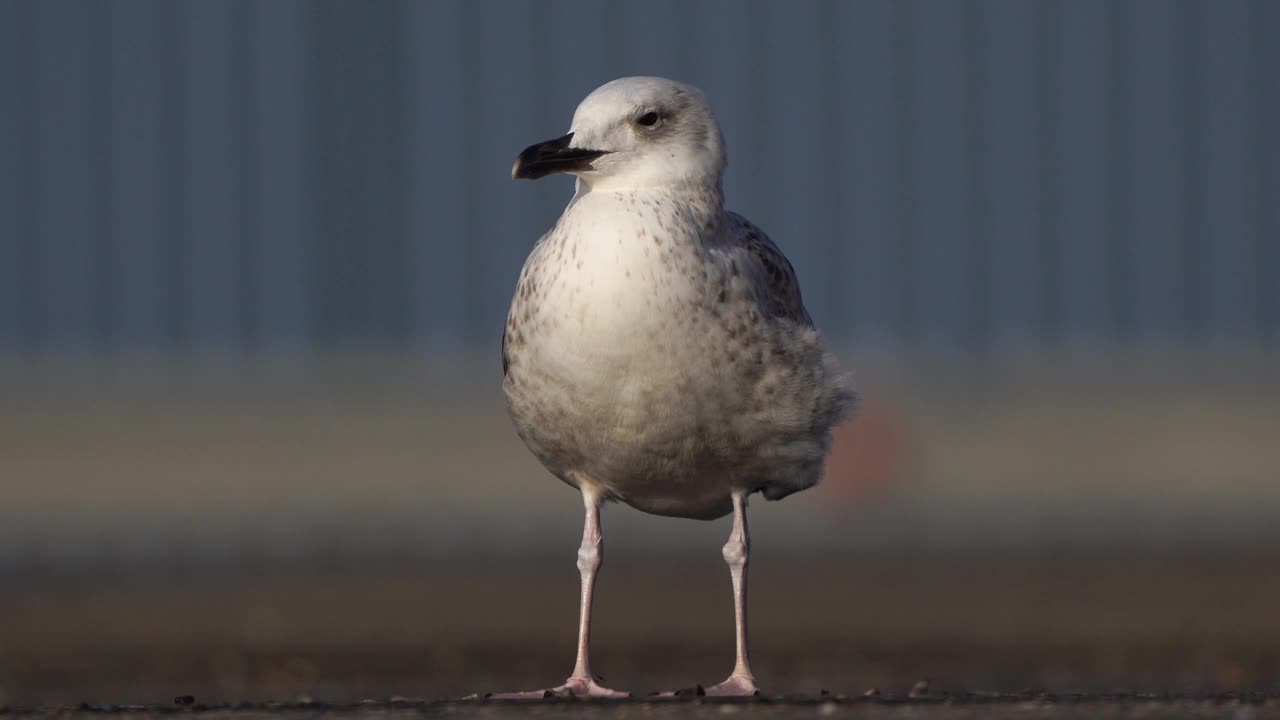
(735,686)
(576,687)
(525,695)
(589,688)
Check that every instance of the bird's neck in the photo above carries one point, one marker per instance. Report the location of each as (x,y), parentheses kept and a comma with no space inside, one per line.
(703,203)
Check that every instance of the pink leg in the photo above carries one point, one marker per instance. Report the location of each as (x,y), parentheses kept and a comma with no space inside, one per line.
(581,683)
(736,553)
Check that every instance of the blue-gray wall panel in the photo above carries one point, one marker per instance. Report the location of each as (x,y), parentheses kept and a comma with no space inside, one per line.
(1156,178)
(1082,161)
(12,205)
(141,193)
(63,222)
(210,102)
(437,153)
(279,127)
(940,101)
(1012,171)
(943,173)
(872,214)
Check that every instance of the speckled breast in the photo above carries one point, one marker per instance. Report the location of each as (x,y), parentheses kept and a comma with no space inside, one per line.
(609,375)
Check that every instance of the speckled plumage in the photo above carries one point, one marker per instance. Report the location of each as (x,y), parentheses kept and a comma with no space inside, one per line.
(657,346)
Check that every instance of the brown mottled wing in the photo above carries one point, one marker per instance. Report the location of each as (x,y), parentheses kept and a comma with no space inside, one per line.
(781,291)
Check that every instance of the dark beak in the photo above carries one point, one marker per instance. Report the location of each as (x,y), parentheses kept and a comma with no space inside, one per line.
(552,156)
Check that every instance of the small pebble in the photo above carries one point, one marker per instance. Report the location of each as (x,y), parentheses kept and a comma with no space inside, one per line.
(1031,692)
(695,691)
(872,692)
(184,700)
(919,690)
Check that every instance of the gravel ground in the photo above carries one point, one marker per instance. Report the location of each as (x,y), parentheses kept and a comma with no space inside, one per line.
(1079,627)
(939,707)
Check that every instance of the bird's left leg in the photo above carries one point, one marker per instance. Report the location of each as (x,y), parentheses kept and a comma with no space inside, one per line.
(736,553)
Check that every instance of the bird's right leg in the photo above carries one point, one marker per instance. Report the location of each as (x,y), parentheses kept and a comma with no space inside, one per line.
(581,683)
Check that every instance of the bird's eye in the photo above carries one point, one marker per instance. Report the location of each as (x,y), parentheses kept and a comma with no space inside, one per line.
(648,119)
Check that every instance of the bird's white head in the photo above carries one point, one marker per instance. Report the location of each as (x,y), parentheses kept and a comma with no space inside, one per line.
(635,132)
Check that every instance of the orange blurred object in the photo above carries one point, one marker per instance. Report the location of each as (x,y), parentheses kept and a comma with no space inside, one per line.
(866,458)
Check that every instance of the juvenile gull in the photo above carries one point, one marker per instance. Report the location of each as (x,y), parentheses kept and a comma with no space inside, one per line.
(657,351)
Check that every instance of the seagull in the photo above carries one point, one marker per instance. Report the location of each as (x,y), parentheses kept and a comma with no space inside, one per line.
(657,352)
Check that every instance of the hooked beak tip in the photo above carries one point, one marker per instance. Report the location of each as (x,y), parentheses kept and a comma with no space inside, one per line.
(552,157)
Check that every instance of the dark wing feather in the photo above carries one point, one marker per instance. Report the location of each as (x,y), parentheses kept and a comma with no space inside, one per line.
(781,289)
(506,359)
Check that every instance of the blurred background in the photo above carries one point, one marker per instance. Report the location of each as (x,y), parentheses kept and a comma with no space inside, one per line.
(255,258)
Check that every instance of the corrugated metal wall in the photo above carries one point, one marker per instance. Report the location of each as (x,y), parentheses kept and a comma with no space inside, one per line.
(942,173)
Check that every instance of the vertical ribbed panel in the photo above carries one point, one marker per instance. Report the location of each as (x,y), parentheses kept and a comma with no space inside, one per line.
(944,174)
